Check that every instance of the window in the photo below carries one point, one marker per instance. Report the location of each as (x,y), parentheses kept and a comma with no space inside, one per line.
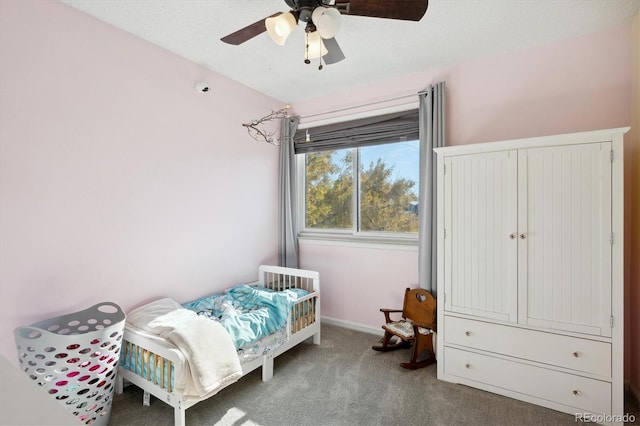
(362,182)
(329,190)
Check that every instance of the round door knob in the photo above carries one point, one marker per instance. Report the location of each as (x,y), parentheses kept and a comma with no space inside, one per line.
(576,392)
(576,354)
(467,333)
(523,236)
(469,366)
(512,236)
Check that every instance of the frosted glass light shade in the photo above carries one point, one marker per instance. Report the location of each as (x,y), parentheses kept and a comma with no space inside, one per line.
(327,20)
(315,46)
(279,27)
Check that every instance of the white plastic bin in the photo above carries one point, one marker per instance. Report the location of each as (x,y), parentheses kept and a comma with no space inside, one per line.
(74,357)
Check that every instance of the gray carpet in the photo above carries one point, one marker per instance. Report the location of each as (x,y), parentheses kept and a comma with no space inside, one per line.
(343,382)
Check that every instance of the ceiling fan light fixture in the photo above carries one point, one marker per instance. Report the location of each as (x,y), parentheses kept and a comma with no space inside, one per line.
(327,20)
(280,27)
(315,47)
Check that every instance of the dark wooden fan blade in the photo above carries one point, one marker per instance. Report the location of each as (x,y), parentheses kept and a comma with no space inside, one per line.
(408,10)
(334,53)
(248,32)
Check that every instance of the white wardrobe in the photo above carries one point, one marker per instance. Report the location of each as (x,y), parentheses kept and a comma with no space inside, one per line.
(530,270)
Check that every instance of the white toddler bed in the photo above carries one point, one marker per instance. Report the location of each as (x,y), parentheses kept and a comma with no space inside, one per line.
(159,366)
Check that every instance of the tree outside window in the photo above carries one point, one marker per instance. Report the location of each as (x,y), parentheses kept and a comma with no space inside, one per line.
(385,188)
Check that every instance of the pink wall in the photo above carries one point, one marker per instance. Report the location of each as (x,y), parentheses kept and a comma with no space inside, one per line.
(356,281)
(118,180)
(575,85)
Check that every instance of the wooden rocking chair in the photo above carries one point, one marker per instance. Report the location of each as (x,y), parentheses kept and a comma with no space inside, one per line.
(414,331)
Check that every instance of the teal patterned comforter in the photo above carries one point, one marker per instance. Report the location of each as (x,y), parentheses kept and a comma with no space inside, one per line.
(248,313)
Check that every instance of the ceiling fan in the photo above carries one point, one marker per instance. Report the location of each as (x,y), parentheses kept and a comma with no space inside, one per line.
(323,19)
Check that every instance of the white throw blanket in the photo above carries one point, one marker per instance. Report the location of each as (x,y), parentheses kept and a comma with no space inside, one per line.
(212,360)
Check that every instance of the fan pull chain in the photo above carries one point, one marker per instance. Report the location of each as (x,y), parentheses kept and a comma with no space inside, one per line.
(306,51)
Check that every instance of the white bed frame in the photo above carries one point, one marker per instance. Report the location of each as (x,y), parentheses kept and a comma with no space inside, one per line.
(303,323)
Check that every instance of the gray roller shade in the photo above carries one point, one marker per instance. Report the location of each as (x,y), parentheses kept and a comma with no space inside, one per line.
(388,128)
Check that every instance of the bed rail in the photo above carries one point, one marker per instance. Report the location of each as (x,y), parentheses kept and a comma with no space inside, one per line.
(303,313)
(153,367)
(280,278)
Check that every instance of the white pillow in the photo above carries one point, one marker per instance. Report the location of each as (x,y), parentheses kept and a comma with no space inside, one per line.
(143,315)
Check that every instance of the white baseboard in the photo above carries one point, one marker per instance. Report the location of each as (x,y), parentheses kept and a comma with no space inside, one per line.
(353,326)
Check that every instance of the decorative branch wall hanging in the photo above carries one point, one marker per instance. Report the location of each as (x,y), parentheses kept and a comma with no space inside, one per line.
(256,129)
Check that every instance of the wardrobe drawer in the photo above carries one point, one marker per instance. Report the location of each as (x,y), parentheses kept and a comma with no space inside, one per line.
(588,395)
(584,355)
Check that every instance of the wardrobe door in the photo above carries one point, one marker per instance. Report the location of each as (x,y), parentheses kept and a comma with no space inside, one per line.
(480,243)
(564,246)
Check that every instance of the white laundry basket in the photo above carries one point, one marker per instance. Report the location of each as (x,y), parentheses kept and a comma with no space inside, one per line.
(74,357)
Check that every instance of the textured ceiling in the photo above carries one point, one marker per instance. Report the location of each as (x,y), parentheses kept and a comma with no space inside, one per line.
(376,49)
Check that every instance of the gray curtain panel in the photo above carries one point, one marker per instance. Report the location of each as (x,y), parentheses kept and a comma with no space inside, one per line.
(288,239)
(432,135)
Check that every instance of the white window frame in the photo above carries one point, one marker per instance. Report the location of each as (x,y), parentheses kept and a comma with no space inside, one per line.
(348,235)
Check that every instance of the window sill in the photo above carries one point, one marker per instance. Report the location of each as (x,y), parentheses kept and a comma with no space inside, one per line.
(369,241)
